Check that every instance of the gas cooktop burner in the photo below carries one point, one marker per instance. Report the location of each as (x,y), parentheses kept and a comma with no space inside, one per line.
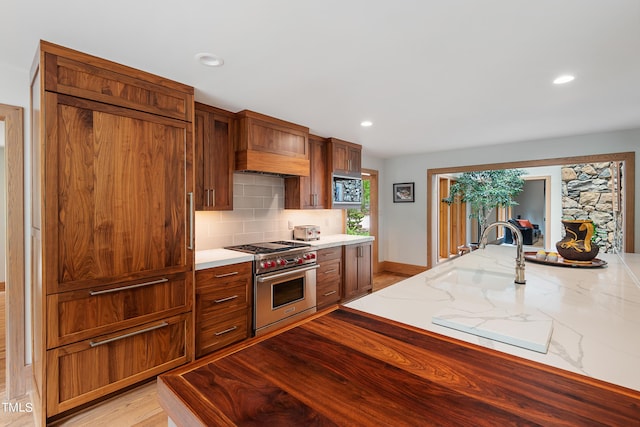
(268,247)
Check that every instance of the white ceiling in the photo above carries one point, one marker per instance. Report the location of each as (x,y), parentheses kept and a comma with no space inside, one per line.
(431,74)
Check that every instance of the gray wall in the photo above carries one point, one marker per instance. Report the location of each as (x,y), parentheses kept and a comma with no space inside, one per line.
(404,236)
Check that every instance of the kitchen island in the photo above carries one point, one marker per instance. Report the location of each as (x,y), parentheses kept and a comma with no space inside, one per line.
(348,367)
(595,311)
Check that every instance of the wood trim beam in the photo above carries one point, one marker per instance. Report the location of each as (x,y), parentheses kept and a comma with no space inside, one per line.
(373,217)
(628,185)
(16,369)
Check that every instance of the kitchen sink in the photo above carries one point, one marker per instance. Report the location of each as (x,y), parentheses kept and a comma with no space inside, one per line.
(477,278)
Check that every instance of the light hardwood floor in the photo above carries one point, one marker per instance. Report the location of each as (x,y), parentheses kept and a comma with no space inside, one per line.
(138,407)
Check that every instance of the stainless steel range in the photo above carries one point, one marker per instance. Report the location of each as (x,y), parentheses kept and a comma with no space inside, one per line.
(284,282)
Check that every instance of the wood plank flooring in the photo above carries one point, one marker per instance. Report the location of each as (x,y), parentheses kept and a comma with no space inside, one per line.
(7,416)
(136,408)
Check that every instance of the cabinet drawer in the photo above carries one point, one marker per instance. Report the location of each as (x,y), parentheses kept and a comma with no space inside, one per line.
(328,293)
(107,82)
(219,299)
(115,361)
(329,253)
(77,315)
(225,276)
(329,272)
(219,331)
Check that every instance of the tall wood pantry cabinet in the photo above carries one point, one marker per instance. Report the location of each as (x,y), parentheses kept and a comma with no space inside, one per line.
(112,227)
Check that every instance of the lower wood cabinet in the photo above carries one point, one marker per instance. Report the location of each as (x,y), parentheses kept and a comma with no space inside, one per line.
(78,315)
(358,270)
(81,372)
(223,306)
(329,276)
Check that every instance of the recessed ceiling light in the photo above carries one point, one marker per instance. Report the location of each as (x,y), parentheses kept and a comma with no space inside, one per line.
(366,123)
(210,60)
(566,78)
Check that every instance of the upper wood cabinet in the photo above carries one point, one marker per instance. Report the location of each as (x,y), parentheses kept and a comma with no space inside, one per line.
(85,76)
(267,144)
(344,158)
(214,157)
(302,192)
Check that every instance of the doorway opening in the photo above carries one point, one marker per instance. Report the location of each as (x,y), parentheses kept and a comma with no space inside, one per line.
(626,188)
(14,294)
(364,220)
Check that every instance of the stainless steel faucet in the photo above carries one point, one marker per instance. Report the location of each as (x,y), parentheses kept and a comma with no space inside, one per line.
(520,252)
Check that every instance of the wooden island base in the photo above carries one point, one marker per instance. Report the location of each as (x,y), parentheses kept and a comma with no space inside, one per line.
(352,368)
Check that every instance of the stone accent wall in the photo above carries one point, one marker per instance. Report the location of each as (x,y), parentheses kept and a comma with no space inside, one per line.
(587,194)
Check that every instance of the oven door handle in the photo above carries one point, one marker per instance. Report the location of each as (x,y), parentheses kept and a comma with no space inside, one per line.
(288,273)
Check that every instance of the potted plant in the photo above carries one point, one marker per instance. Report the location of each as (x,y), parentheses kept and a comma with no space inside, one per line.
(486,190)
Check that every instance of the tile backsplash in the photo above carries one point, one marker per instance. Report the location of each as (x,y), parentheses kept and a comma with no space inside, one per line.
(259,216)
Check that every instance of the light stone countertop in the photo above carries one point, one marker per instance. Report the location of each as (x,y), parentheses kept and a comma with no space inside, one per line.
(595,312)
(209,258)
(338,240)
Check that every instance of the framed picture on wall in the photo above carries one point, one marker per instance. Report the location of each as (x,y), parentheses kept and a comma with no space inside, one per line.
(403,192)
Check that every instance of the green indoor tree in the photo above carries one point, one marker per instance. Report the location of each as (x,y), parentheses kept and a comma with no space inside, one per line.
(486,190)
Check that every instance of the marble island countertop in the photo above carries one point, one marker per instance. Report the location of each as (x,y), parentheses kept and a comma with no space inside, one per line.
(593,314)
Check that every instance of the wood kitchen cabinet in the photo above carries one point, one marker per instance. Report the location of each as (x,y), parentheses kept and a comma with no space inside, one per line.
(302,192)
(112,243)
(344,158)
(214,131)
(223,306)
(358,270)
(267,144)
(329,277)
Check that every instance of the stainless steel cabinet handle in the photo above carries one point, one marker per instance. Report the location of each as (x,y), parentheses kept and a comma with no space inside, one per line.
(190,246)
(213,197)
(208,202)
(329,293)
(288,273)
(131,334)
(233,273)
(226,331)
(125,288)
(218,301)
(330,271)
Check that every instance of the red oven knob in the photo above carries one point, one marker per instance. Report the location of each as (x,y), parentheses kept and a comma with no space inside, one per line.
(282,262)
(299,260)
(312,255)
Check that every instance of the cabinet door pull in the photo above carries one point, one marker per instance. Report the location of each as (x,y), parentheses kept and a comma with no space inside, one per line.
(208,202)
(131,334)
(213,197)
(226,331)
(218,301)
(125,288)
(329,293)
(233,273)
(190,245)
(330,271)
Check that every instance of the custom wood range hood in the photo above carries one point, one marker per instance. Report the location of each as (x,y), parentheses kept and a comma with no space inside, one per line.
(269,145)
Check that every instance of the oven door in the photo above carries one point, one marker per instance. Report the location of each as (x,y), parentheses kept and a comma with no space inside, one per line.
(283,297)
